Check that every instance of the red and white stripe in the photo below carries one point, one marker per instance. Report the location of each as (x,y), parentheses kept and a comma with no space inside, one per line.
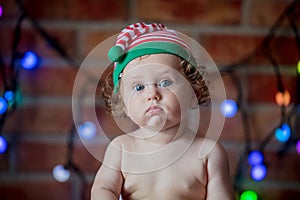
(139,33)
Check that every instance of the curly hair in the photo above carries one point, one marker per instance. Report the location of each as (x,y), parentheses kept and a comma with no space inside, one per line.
(195,76)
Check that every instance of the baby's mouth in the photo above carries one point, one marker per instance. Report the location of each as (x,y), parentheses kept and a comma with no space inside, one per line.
(153,110)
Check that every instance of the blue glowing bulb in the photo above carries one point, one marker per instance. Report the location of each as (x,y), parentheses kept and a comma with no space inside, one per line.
(3,105)
(60,173)
(9,95)
(228,108)
(3,145)
(255,157)
(283,133)
(87,130)
(258,172)
(29,61)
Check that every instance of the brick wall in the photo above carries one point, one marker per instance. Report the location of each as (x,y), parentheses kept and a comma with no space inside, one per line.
(228,30)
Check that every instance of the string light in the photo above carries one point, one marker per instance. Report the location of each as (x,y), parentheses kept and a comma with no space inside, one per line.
(9,95)
(29,60)
(283,99)
(3,105)
(60,173)
(258,172)
(1,11)
(228,108)
(248,195)
(3,144)
(298,146)
(255,157)
(87,130)
(283,133)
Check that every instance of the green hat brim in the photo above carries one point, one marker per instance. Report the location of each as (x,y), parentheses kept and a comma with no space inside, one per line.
(147,49)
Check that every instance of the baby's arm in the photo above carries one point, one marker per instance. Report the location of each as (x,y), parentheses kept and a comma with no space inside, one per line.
(219,180)
(108,181)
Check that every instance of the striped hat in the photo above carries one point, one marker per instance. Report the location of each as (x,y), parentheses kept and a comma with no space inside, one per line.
(143,39)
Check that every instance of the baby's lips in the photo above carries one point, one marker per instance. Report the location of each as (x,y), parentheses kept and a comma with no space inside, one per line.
(154,110)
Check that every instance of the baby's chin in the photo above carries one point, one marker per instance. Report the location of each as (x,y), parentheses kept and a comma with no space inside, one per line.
(156,122)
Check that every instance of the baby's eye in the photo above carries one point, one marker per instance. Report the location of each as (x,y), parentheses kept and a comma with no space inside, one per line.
(165,83)
(139,87)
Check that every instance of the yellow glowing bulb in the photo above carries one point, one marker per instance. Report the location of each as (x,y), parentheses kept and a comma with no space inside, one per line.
(298,67)
(283,99)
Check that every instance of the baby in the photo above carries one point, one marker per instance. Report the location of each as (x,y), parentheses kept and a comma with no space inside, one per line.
(156,83)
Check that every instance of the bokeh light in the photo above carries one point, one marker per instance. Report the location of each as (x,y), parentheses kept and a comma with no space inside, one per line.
(258,172)
(3,105)
(9,95)
(29,60)
(255,157)
(298,146)
(3,144)
(60,173)
(248,195)
(283,133)
(1,11)
(283,98)
(87,130)
(228,108)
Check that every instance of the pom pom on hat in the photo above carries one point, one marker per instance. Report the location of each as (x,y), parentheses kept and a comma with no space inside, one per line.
(116,54)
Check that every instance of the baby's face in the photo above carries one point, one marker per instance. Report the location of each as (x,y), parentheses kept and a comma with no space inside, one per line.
(155,94)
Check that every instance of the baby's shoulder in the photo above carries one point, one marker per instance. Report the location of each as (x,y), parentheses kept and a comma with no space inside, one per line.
(122,139)
(208,148)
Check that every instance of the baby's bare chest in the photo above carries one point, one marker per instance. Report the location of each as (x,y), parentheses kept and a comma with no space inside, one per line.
(184,179)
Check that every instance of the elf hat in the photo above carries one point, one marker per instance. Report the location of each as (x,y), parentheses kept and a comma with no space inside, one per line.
(143,39)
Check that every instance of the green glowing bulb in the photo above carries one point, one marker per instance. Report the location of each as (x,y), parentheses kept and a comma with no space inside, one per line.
(298,67)
(248,195)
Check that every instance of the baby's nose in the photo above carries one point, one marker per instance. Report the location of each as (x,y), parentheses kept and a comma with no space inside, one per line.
(153,93)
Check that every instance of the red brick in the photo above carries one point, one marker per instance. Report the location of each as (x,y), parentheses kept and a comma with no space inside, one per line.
(285,50)
(40,156)
(283,168)
(32,40)
(233,129)
(35,189)
(193,11)
(40,119)
(78,9)
(94,38)
(265,13)
(263,121)
(266,86)
(225,49)
(48,81)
